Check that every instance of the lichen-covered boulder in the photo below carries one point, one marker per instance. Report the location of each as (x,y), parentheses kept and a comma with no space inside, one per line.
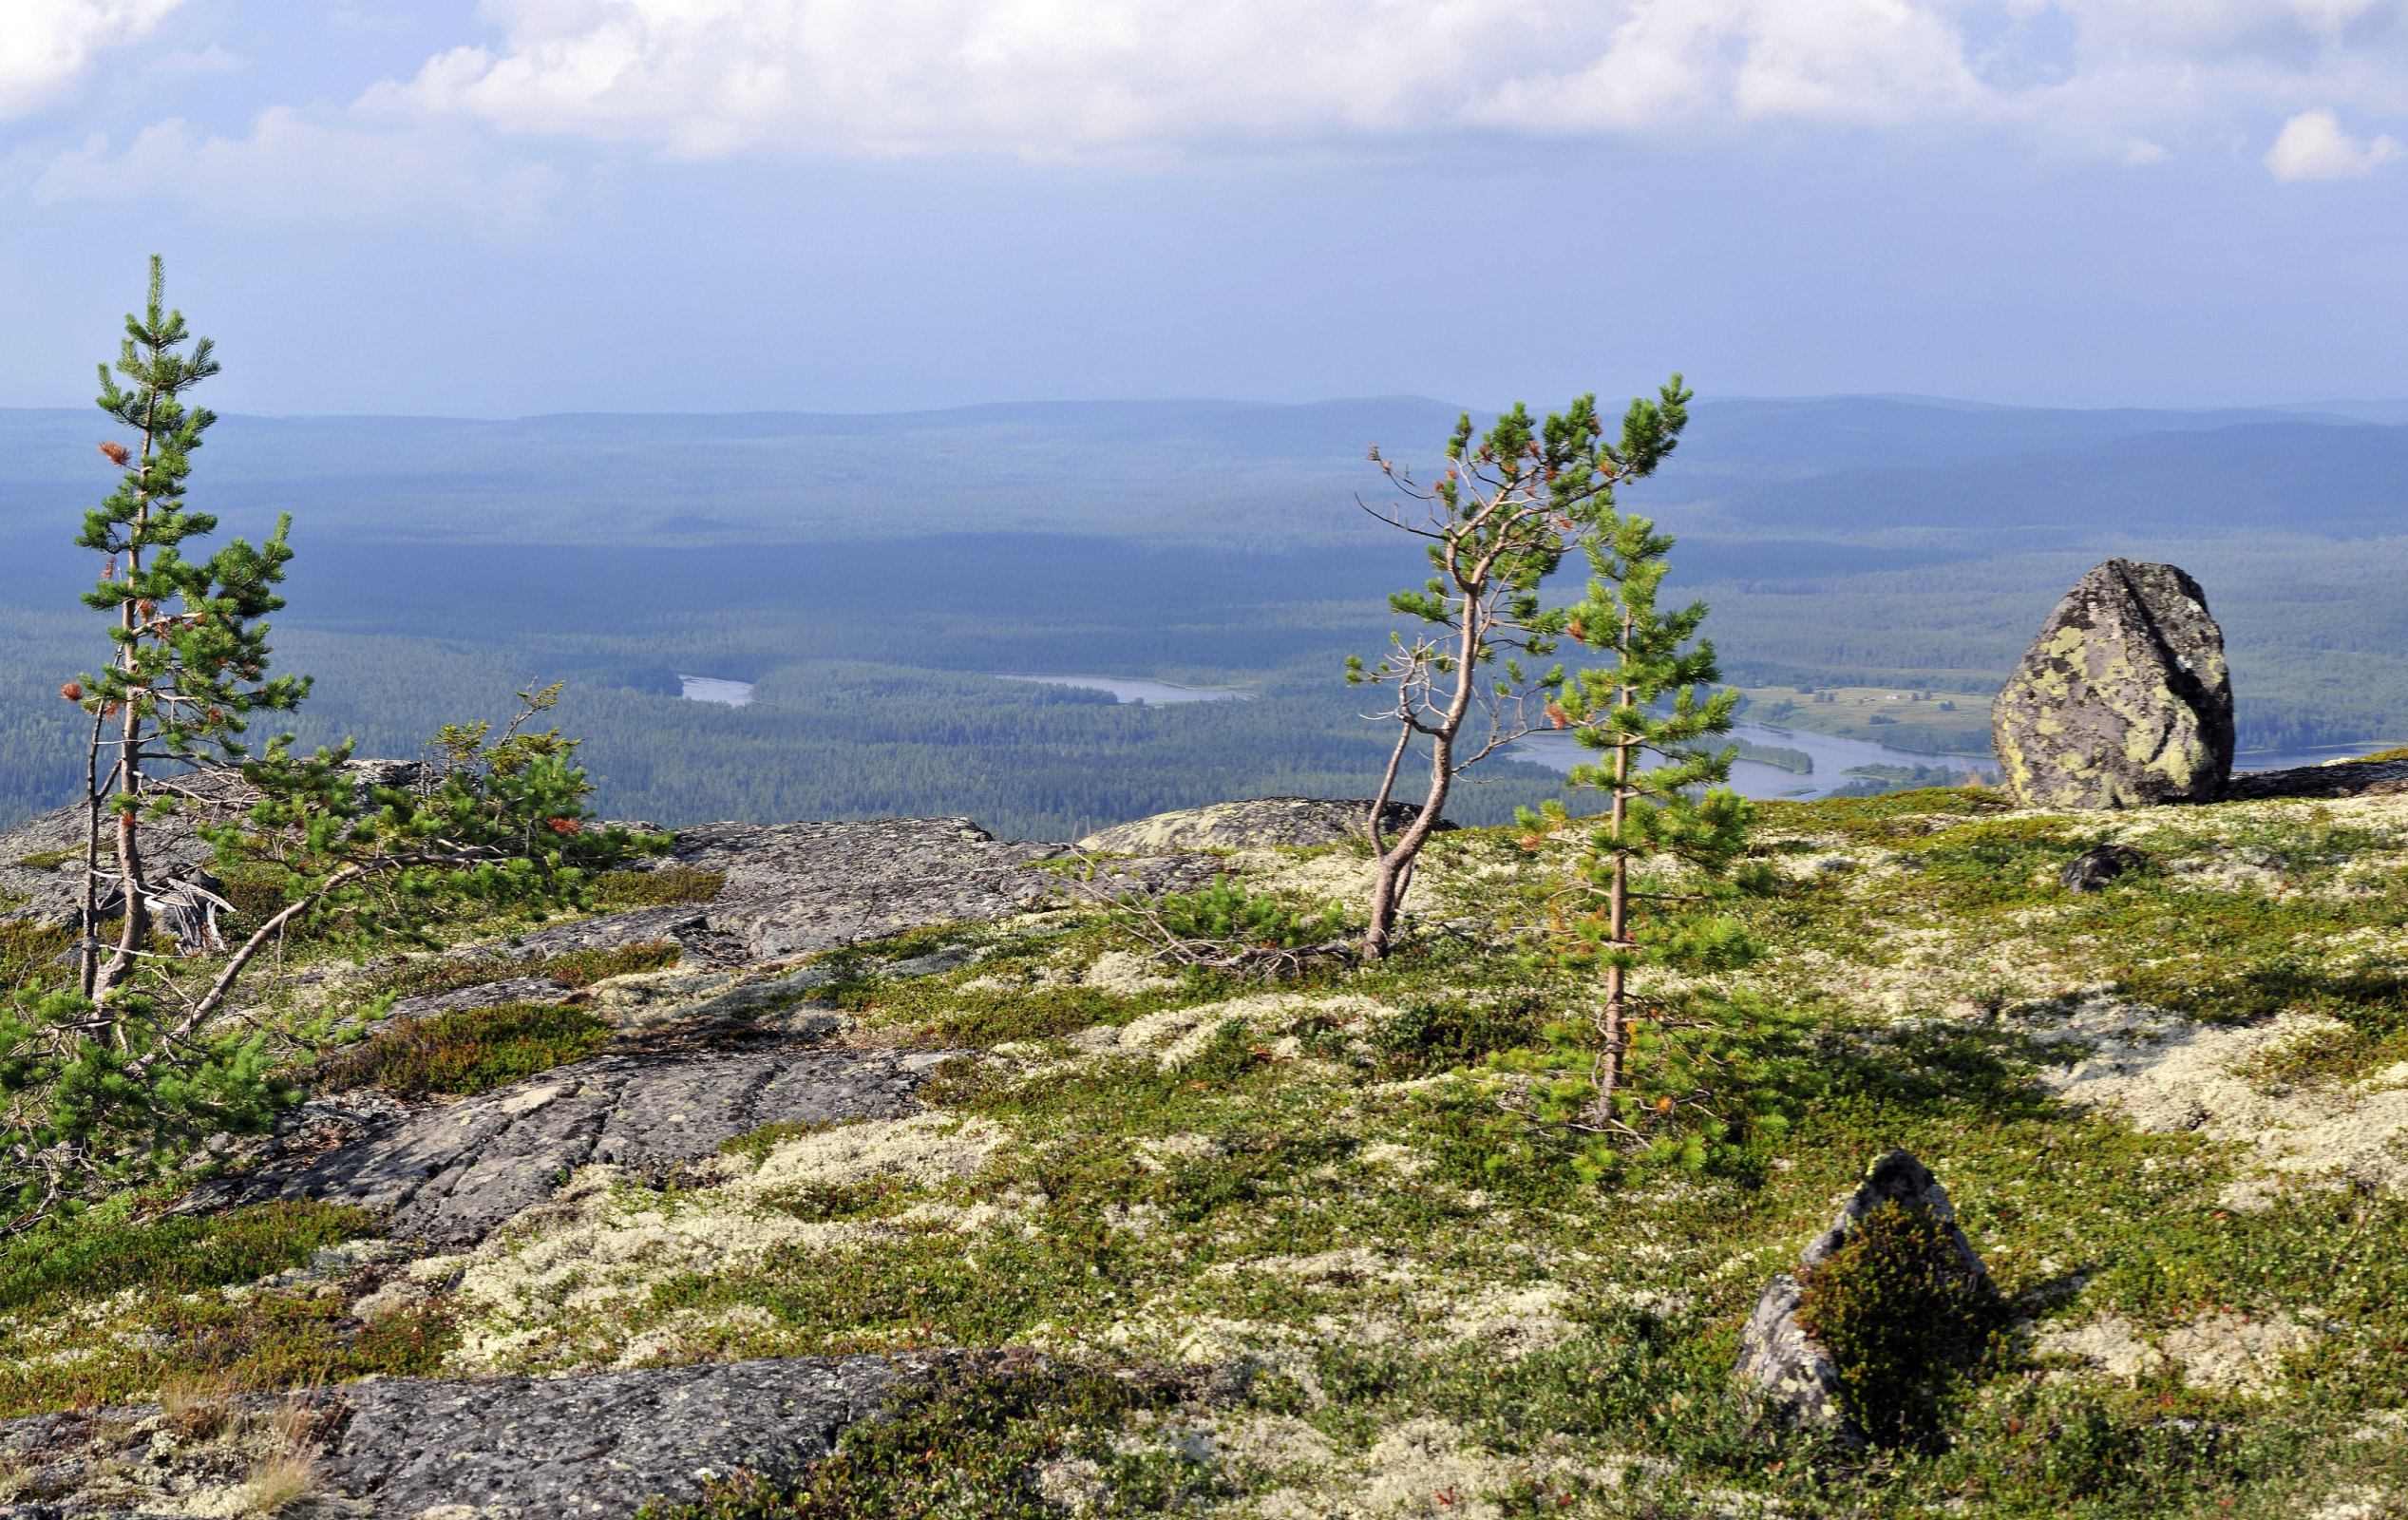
(2123,700)
(1250,824)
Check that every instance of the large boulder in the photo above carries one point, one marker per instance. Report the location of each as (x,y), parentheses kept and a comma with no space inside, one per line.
(1251,824)
(2123,700)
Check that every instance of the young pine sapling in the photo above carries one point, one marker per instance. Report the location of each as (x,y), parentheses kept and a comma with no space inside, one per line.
(1660,877)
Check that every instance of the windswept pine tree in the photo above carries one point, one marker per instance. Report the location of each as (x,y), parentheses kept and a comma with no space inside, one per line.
(1508,506)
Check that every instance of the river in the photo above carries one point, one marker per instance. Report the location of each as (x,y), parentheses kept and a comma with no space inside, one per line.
(1751,778)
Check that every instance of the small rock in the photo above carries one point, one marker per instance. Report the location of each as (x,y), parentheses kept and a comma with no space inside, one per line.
(2123,700)
(951,959)
(393,1297)
(2091,870)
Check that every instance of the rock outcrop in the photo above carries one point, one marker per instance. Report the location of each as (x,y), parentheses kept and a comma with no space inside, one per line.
(448,1174)
(2123,700)
(600,1444)
(1797,1380)
(421,1449)
(1251,824)
(2373,777)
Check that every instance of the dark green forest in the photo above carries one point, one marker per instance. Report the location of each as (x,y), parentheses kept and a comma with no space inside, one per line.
(441,566)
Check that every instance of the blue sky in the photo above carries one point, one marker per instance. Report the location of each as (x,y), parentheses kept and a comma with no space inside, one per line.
(542,206)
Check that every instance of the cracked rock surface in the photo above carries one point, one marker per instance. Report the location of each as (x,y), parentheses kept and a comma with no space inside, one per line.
(496,1448)
(596,1445)
(451,1173)
(793,888)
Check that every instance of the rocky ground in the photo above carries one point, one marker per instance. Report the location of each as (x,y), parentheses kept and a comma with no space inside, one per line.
(904,1178)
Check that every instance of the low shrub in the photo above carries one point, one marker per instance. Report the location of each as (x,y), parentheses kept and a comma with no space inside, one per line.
(266,1341)
(582,968)
(1226,913)
(1902,1319)
(468,1049)
(48,860)
(1430,1034)
(678,883)
(94,1256)
(257,892)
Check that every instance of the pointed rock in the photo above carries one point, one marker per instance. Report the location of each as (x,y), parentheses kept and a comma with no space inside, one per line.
(2123,700)
(1797,1382)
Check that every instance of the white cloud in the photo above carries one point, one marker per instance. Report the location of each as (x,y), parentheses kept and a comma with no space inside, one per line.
(2130,81)
(46,45)
(186,64)
(706,78)
(295,167)
(2313,146)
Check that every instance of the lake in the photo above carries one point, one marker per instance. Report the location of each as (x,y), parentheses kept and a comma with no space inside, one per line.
(1135,689)
(712,689)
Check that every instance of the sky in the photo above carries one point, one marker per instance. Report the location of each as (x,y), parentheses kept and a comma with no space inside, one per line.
(528,206)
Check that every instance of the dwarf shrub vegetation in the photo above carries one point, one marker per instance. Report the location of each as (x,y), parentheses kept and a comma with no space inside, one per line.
(100,1253)
(966,1444)
(1902,1318)
(663,889)
(1226,913)
(469,1050)
(578,968)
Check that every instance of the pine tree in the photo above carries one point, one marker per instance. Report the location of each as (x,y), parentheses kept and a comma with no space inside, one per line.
(1510,504)
(191,657)
(109,1080)
(1656,884)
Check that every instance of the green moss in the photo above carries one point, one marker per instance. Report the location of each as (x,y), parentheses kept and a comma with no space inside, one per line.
(32,957)
(678,883)
(1895,815)
(50,860)
(60,1348)
(984,1018)
(582,968)
(468,1049)
(270,1340)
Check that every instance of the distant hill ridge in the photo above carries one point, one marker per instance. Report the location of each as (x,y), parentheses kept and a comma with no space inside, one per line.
(1225,471)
